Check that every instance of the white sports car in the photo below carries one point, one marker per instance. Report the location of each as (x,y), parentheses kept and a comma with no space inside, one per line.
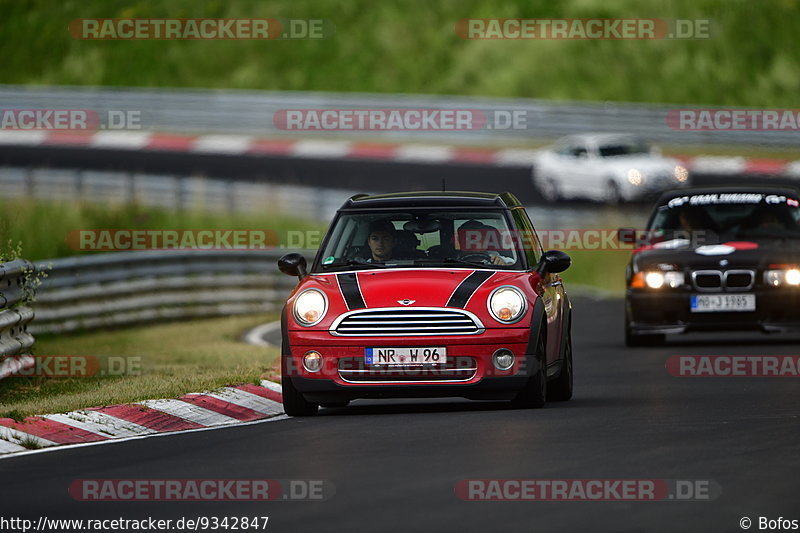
(605,167)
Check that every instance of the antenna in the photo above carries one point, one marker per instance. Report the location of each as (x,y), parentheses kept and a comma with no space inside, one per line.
(444,184)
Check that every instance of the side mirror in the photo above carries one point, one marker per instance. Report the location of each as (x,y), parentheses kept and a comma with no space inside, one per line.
(293,264)
(626,235)
(553,262)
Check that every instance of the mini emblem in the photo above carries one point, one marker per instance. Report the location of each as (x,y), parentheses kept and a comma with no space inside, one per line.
(406,302)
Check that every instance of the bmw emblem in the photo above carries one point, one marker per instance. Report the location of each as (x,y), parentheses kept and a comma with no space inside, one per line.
(723,262)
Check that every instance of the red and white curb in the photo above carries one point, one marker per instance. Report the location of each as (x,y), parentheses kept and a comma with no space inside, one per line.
(333,149)
(230,405)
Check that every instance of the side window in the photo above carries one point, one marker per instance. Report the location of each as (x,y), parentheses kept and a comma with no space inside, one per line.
(527,238)
(579,151)
(563,149)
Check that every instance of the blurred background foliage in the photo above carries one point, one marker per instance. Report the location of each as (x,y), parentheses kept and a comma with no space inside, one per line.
(410,46)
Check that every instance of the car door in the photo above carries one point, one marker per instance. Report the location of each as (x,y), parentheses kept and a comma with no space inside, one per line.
(578,175)
(550,289)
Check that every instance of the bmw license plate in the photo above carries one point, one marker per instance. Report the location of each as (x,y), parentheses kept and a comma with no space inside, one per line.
(712,303)
(406,356)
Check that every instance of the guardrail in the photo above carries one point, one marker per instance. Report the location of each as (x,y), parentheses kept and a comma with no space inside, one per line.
(122,288)
(171,191)
(15,340)
(252,112)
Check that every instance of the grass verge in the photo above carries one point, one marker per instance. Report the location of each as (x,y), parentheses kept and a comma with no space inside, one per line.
(603,270)
(42,226)
(174,359)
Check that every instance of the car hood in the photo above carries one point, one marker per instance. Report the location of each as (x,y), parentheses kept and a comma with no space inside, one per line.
(414,287)
(730,254)
(420,287)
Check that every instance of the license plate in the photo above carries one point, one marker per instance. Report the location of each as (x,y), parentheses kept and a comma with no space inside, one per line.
(406,356)
(711,303)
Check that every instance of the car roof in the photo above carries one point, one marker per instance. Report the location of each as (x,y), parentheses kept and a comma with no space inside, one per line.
(726,189)
(432,199)
(600,138)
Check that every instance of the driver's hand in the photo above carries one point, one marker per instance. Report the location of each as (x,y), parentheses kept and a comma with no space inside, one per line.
(497,260)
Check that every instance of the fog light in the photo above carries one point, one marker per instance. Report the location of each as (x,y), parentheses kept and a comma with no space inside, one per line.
(503,359)
(312,361)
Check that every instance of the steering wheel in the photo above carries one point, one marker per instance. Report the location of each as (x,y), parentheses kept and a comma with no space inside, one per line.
(475,257)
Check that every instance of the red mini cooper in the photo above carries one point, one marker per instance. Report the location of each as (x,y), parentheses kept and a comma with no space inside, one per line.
(427,294)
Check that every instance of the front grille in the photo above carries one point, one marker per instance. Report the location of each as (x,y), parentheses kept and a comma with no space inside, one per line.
(704,279)
(404,321)
(355,370)
(739,279)
(715,280)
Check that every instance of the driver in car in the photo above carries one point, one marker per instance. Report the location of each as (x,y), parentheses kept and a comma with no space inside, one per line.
(382,241)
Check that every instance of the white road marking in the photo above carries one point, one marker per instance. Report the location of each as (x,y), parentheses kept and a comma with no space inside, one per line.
(190,412)
(223,144)
(248,400)
(100,424)
(132,140)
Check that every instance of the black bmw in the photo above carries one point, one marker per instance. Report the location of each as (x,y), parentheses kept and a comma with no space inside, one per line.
(711,259)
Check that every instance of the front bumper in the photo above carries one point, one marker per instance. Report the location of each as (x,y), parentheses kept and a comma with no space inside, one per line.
(469,372)
(662,312)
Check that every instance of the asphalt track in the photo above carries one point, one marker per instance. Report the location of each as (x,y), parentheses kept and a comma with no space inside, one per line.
(394,465)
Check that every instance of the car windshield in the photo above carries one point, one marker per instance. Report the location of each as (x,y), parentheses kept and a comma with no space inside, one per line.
(420,238)
(715,218)
(620,148)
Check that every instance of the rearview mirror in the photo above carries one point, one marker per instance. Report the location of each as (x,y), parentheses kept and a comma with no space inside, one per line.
(293,264)
(424,225)
(553,262)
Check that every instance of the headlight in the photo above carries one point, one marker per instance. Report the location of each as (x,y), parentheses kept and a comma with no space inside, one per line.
(776,278)
(507,304)
(655,279)
(681,174)
(635,177)
(310,307)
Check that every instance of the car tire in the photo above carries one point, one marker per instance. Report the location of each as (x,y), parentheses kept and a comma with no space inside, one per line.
(560,389)
(613,193)
(548,188)
(294,404)
(534,394)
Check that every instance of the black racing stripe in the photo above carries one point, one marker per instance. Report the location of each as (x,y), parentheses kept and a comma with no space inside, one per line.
(351,291)
(467,287)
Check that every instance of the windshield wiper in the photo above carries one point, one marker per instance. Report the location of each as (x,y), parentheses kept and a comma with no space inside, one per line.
(453,261)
